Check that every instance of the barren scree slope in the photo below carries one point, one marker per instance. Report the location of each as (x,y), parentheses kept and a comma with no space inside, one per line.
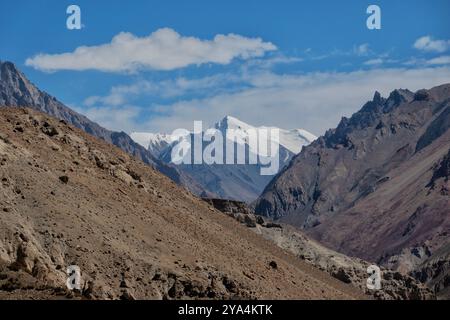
(69,199)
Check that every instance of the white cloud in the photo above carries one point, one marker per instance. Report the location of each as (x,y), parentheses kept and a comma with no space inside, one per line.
(124,94)
(414,61)
(362,49)
(120,95)
(122,118)
(164,49)
(427,43)
(373,62)
(313,101)
(382,59)
(267,63)
(439,60)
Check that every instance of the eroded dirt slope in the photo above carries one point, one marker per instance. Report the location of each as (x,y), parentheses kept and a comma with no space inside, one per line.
(69,199)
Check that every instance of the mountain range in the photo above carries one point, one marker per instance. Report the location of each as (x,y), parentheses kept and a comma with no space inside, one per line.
(243,182)
(373,190)
(240,182)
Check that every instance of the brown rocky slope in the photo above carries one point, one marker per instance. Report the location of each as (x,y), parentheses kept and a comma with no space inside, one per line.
(17,91)
(69,199)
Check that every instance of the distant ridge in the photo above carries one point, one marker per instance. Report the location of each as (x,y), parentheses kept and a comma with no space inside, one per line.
(242,182)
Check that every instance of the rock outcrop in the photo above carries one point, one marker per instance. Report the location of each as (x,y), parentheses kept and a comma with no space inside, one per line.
(395,285)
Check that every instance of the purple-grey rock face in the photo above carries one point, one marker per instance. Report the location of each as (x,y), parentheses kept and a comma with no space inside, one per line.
(350,162)
(377,186)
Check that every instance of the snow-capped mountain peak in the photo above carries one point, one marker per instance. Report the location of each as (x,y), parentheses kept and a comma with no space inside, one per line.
(243,182)
(295,139)
(156,143)
(231,123)
(292,140)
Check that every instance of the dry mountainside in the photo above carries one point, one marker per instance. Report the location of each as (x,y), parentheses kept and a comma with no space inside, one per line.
(67,198)
(17,91)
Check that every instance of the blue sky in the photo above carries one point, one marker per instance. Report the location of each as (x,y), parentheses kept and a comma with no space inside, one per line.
(294,64)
